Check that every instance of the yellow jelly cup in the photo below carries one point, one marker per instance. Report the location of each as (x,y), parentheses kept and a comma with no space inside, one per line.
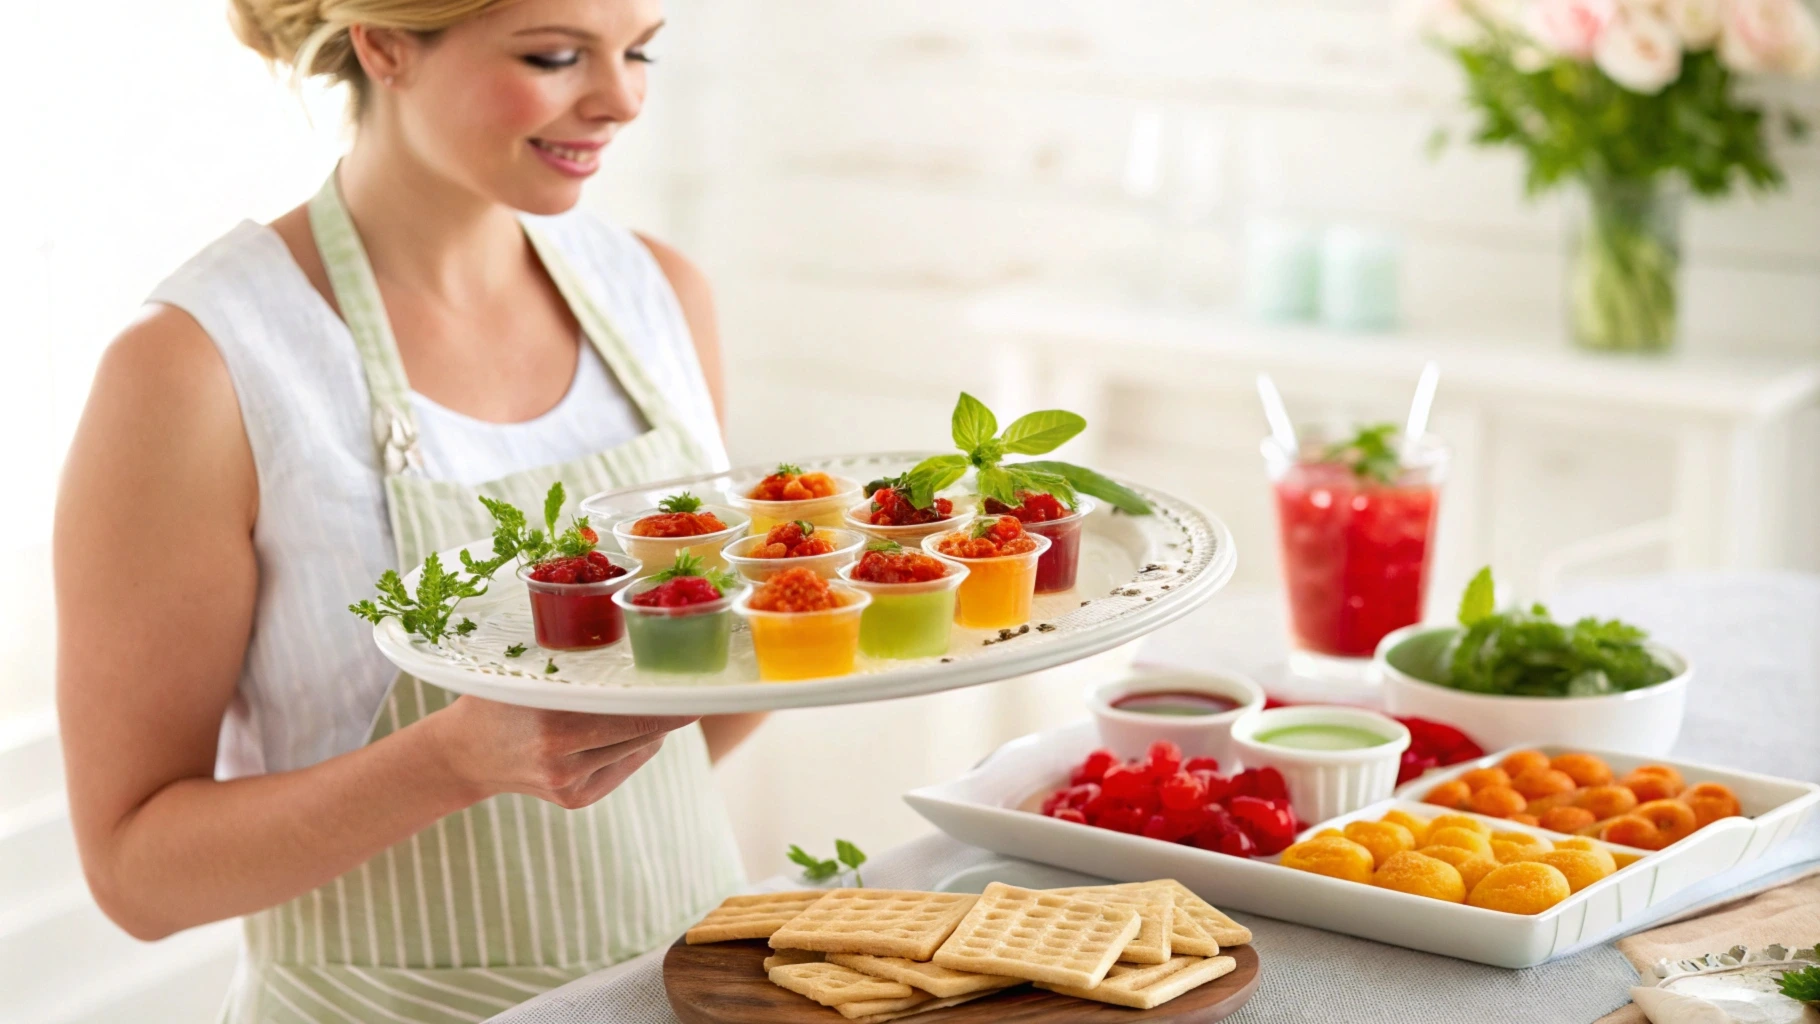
(998,593)
(847,545)
(829,511)
(658,553)
(910,537)
(805,645)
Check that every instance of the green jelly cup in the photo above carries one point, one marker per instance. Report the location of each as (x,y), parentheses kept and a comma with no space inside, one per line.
(691,640)
(907,620)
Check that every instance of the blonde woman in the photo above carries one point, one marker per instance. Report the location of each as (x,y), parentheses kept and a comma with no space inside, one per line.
(308,403)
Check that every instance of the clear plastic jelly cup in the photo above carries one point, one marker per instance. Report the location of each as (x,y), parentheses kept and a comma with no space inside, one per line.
(911,537)
(1056,570)
(908,620)
(998,593)
(847,545)
(690,640)
(828,511)
(659,552)
(578,616)
(806,645)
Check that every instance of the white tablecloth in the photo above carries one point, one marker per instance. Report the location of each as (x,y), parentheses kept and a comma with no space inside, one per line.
(1754,640)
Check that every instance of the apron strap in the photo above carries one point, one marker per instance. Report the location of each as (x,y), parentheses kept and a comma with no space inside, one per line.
(362,309)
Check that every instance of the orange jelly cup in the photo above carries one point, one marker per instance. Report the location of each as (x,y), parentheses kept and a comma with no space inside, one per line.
(806,645)
(998,593)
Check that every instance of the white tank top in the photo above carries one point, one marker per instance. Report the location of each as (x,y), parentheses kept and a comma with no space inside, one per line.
(313,680)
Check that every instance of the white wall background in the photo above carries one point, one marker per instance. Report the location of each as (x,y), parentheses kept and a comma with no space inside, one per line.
(851,173)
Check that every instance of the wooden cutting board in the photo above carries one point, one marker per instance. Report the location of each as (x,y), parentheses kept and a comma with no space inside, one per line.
(725,983)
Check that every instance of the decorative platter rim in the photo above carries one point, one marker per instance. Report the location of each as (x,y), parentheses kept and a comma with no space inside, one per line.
(1191,558)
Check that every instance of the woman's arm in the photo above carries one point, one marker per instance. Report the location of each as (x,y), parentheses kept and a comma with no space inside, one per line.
(693,293)
(156,580)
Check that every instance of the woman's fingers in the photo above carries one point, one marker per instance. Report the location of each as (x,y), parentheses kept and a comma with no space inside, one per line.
(608,777)
(581,732)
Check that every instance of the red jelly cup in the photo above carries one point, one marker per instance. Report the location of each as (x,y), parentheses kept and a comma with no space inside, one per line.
(1056,570)
(579,616)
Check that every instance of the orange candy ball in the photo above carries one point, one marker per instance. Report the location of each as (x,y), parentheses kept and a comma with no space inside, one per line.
(1710,802)
(1471,864)
(1526,819)
(1541,782)
(1498,801)
(1580,867)
(1584,769)
(1526,887)
(1383,838)
(1465,839)
(1673,819)
(1519,761)
(1654,782)
(1453,794)
(1567,819)
(1479,778)
(1606,801)
(1630,830)
(1333,856)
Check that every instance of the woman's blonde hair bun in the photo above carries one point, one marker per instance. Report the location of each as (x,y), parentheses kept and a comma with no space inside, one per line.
(311,36)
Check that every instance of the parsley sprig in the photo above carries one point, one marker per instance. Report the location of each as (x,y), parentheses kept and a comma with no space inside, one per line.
(1371,453)
(1525,653)
(884,547)
(984,447)
(787,469)
(440,589)
(815,869)
(684,502)
(1803,986)
(690,565)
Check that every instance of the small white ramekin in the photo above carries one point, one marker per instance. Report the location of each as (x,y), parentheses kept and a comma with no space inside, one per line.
(1325,783)
(1130,733)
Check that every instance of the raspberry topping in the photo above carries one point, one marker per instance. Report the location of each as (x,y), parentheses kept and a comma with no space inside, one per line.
(678,524)
(677,593)
(891,507)
(786,485)
(1036,508)
(593,567)
(988,538)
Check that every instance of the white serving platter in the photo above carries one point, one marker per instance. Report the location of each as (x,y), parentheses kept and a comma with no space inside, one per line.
(1136,573)
(983,808)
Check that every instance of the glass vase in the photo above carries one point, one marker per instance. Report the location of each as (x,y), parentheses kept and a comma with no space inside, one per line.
(1624,266)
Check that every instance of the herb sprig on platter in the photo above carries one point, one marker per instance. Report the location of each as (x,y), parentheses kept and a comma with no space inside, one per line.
(1803,986)
(1526,653)
(816,869)
(984,446)
(426,613)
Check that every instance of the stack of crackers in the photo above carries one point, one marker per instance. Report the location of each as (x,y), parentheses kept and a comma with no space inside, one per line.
(881,954)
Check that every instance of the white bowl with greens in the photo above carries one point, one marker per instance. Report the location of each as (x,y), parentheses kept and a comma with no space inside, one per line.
(1518,678)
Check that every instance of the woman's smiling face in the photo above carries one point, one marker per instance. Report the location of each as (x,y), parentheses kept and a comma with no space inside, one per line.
(519,103)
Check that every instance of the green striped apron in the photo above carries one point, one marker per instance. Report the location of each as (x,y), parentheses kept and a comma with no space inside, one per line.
(514,896)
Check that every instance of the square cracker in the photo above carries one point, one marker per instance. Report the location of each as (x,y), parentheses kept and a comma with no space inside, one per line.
(882,922)
(874,1007)
(1144,988)
(1039,936)
(1155,904)
(1222,930)
(793,956)
(753,916)
(832,985)
(937,981)
(933,1004)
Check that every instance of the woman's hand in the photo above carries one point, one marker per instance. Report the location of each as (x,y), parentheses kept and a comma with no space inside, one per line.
(565,757)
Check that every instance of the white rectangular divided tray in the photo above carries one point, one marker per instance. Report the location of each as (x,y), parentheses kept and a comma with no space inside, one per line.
(982,808)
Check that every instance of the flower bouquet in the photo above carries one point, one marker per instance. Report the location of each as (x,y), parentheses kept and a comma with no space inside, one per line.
(1634,101)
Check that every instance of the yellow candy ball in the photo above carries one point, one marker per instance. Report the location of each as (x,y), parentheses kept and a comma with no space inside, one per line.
(1471,865)
(1383,838)
(1467,822)
(1415,823)
(1526,887)
(1453,835)
(1419,875)
(1334,856)
(1592,846)
(1509,847)
(1582,867)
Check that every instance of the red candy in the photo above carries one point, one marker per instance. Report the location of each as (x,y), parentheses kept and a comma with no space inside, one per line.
(891,508)
(593,567)
(1163,796)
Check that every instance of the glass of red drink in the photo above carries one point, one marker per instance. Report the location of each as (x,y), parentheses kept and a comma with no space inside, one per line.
(579,616)
(1356,542)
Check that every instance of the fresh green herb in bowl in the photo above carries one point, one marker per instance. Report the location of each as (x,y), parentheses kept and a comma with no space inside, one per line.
(1526,653)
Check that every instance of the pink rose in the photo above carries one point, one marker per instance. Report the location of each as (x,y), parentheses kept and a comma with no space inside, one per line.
(1759,37)
(1640,51)
(1571,28)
